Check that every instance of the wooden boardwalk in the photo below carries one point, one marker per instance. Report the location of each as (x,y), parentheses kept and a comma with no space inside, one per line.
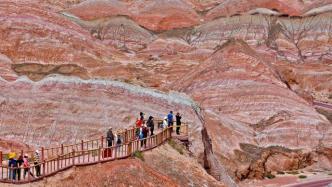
(57,159)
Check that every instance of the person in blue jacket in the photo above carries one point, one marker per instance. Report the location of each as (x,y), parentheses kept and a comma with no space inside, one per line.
(170,118)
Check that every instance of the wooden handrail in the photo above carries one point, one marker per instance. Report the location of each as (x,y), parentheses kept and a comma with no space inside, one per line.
(67,160)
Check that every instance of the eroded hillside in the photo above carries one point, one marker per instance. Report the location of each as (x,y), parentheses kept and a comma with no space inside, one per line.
(245,73)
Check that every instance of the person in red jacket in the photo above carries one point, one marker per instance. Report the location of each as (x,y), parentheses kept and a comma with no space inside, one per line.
(139,123)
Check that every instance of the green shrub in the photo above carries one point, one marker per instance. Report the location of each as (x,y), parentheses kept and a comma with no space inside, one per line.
(176,146)
(270,175)
(139,155)
(302,176)
(280,173)
(293,172)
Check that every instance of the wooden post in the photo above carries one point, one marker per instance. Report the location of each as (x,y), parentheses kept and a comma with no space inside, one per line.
(129,149)
(1,158)
(126,136)
(99,154)
(29,178)
(62,151)
(58,164)
(43,159)
(74,157)
(82,144)
(102,141)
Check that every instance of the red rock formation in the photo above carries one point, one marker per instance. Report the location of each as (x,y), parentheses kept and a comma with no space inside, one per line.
(129,172)
(61,110)
(228,8)
(314,78)
(245,101)
(154,15)
(291,8)
(163,166)
(250,95)
(94,9)
(7,145)
(32,35)
(163,15)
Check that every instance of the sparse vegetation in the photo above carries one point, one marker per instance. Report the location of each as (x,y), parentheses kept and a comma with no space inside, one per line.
(302,176)
(280,173)
(139,155)
(176,146)
(270,175)
(293,172)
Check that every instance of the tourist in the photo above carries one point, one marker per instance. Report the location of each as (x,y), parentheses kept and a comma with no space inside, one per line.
(141,136)
(118,141)
(139,122)
(118,144)
(145,132)
(170,119)
(36,162)
(110,137)
(11,165)
(26,166)
(141,115)
(19,164)
(178,123)
(150,124)
(165,123)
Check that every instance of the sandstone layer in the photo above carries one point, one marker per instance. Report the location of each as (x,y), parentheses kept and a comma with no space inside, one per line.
(245,99)
(65,110)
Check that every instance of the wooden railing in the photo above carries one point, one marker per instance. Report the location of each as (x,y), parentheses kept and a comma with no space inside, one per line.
(52,152)
(89,152)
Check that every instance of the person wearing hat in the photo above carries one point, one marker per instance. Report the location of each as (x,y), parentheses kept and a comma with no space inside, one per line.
(150,124)
(110,137)
(12,164)
(36,162)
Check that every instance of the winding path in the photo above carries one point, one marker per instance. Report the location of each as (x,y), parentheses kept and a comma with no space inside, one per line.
(57,159)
